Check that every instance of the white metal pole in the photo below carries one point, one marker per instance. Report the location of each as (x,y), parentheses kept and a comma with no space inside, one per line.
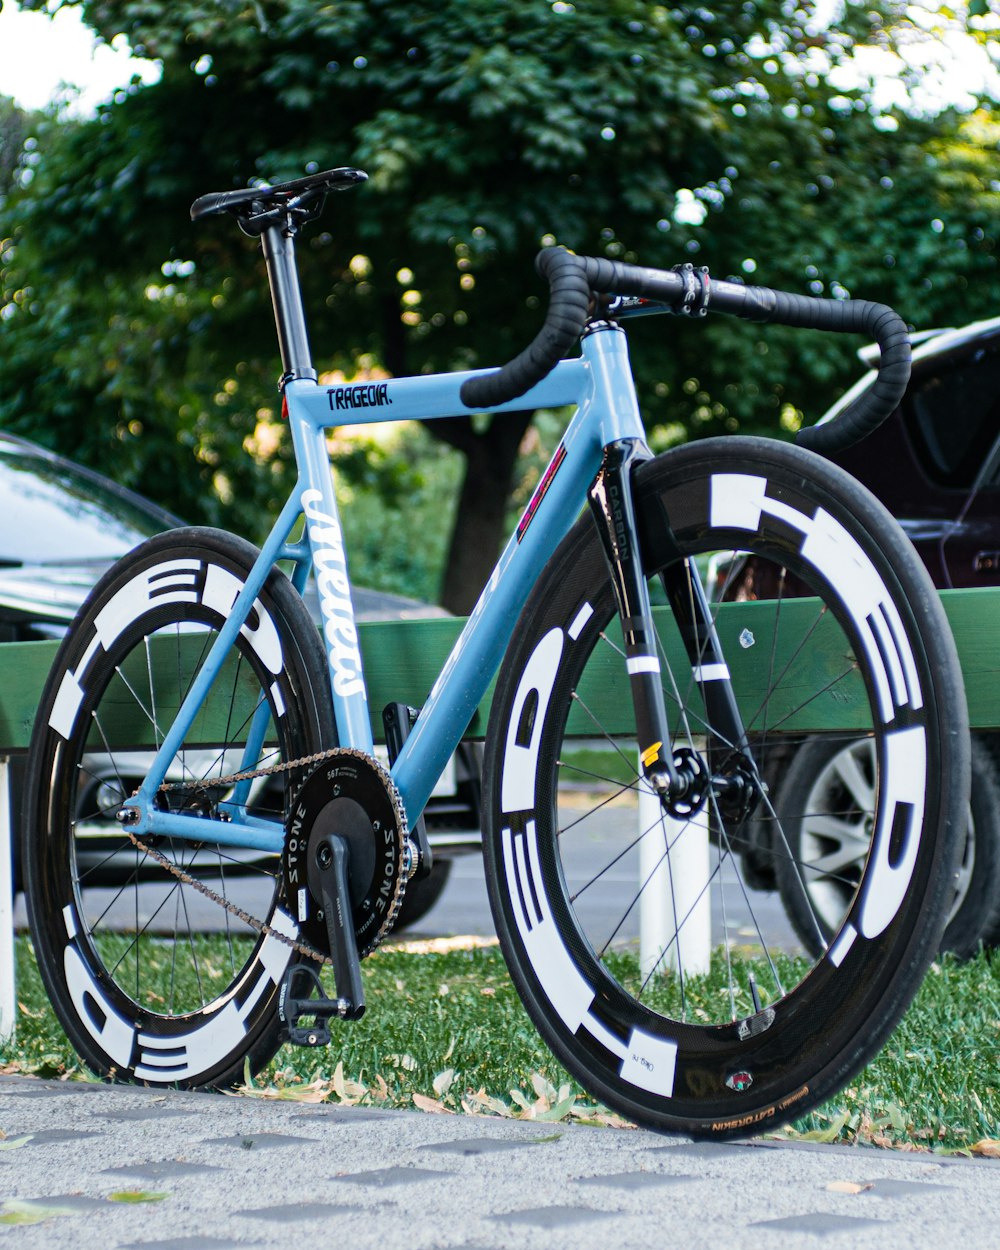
(675,895)
(7,994)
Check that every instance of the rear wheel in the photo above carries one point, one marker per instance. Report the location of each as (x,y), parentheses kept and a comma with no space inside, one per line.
(733,1034)
(141,991)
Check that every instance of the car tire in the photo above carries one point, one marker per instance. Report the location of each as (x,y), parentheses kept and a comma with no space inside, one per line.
(816,769)
(975,916)
(421,895)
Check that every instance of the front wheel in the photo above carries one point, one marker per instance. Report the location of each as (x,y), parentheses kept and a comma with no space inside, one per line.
(668,985)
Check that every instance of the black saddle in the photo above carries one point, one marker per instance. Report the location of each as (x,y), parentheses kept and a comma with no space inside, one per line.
(256,208)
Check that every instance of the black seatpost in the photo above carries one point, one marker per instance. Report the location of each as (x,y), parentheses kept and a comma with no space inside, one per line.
(278,245)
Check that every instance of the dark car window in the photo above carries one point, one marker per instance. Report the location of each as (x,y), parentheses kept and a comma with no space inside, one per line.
(54,513)
(955,416)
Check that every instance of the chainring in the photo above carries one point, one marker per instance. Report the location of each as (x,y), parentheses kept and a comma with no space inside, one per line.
(351,795)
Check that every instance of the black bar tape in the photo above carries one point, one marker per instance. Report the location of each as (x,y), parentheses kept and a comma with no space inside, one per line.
(613,277)
(877,321)
(572,279)
(569,305)
(871,408)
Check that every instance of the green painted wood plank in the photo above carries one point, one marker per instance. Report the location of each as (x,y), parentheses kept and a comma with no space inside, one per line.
(23,669)
(974,616)
(403,658)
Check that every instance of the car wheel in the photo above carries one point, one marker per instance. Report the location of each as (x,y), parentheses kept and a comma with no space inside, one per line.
(989,746)
(819,870)
(420,896)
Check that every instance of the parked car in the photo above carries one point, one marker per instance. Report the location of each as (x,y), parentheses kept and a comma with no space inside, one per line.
(64,525)
(935,463)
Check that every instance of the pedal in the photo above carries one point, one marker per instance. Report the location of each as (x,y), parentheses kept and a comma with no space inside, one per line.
(332,857)
(302,997)
(397,721)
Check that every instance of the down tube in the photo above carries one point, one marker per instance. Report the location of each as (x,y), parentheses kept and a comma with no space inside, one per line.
(476,655)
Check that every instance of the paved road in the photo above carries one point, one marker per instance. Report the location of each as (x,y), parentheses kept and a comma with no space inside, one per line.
(464,908)
(236,1172)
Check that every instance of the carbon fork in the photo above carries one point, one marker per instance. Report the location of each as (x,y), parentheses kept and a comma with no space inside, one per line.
(612,506)
(676,778)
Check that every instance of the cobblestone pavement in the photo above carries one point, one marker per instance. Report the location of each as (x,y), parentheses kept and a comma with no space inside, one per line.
(207,1172)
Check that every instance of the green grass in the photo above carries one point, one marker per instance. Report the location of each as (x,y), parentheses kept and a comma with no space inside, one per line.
(445,1030)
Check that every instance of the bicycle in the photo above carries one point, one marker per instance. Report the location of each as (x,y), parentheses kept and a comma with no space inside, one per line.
(194,707)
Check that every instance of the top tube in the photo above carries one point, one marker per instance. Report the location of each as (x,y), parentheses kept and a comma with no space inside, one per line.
(423,397)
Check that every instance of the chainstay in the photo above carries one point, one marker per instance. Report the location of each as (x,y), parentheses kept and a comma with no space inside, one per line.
(260,926)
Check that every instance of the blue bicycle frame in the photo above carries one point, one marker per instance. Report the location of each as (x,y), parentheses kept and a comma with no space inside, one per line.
(599,383)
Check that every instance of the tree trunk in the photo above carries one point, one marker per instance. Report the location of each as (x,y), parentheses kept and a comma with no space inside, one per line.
(481,518)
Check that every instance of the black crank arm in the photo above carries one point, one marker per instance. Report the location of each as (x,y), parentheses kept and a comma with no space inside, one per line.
(332,859)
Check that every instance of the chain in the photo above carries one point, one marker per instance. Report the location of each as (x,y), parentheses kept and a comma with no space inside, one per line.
(260,926)
(247,774)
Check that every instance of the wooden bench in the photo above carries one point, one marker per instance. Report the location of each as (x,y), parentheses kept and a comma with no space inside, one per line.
(402,660)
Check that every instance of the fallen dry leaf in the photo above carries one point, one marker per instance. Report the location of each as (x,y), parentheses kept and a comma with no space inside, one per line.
(443,1082)
(431,1105)
(848,1187)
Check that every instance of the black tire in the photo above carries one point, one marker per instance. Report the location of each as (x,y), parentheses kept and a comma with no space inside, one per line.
(989,806)
(764,1037)
(826,806)
(127,974)
(421,895)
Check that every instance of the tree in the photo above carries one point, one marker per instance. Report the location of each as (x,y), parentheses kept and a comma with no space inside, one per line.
(487,130)
(14,127)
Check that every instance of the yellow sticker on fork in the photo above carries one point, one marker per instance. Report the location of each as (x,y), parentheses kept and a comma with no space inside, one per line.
(651,754)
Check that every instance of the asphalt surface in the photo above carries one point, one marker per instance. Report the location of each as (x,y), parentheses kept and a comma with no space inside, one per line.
(215,1172)
(464,907)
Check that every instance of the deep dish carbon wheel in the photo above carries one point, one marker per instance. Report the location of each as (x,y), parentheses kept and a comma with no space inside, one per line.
(119,939)
(759,1031)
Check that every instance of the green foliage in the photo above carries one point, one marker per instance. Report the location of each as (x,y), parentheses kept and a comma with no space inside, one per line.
(391,491)
(137,342)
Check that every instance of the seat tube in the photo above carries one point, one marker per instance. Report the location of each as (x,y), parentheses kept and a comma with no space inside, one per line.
(324,538)
(317,500)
